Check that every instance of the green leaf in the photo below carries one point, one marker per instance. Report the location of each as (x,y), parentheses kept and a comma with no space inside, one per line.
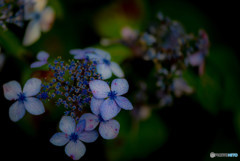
(11,44)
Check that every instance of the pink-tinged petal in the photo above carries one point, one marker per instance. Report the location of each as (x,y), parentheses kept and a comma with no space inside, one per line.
(91,121)
(196,59)
(75,150)
(104,70)
(124,103)
(32,87)
(80,126)
(109,109)
(67,125)
(47,19)
(109,129)
(116,69)
(38,64)
(99,88)
(16,111)
(120,86)
(34,106)
(32,33)
(59,139)
(42,55)
(95,105)
(11,90)
(88,136)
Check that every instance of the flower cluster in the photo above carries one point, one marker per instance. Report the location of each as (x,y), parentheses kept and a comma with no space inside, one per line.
(41,19)
(11,12)
(78,87)
(24,98)
(105,66)
(171,50)
(70,85)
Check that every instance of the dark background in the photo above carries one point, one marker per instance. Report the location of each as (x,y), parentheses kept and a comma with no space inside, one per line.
(193,132)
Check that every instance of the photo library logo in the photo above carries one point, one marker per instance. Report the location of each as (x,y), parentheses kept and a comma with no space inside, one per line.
(231,155)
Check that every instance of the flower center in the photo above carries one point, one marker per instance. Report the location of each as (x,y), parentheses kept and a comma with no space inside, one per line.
(100,118)
(21,97)
(107,62)
(112,95)
(73,137)
(37,16)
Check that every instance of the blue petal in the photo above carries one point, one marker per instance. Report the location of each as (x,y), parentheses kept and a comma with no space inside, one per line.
(104,70)
(67,125)
(99,88)
(103,54)
(95,105)
(116,69)
(75,150)
(91,121)
(11,90)
(109,129)
(16,111)
(109,109)
(88,136)
(81,126)
(42,56)
(59,139)
(34,106)
(78,53)
(38,64)
(32,87)
(124,103)
(120,86)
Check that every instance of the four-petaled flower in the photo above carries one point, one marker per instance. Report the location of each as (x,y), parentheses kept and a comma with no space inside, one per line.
(73,135)
(110,107)
(42,56)
(105,66)
(41,19)
(24,99)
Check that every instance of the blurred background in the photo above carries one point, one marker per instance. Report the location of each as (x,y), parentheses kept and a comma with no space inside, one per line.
(192,127)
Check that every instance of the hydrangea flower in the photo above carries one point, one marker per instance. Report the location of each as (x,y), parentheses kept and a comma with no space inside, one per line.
(73,135)
(42,57)
(105,66)
(114,101)
(24,99)
(108,129)
(41,19)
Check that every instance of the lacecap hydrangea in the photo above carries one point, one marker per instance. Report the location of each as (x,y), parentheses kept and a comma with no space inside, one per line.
(80,87)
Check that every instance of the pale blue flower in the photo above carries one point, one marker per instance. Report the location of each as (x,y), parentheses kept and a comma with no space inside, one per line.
(114,101)
(108,129)
(24,99)
(73,135)
(105,66)
(41,19)
(42,57)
